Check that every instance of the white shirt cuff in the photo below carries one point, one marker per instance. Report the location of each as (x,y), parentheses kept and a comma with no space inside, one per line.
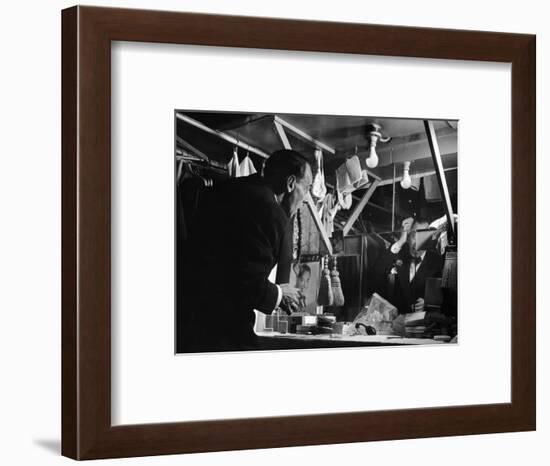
(280,297)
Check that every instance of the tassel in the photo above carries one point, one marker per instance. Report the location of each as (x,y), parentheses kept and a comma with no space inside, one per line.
(325,296)
(449,274)
(336,286)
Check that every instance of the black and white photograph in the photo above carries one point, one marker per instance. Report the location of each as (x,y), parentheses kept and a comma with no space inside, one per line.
(300,231)
(232,233)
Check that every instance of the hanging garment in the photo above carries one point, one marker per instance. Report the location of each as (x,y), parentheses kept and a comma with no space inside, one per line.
(246,168)
(318,189)
(179,170)
(343,179)
(233,166)
(343,186)
(354,170)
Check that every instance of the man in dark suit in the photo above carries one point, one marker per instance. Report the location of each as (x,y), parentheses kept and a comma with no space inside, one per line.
(417,263)
(241,231)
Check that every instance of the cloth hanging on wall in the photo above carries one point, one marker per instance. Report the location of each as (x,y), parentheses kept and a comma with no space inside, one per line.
(246,168)
(318,189)
(233,167)
(343,184)
(353,167)
(328,214)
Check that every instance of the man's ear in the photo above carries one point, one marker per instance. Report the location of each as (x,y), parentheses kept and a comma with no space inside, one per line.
(290,183)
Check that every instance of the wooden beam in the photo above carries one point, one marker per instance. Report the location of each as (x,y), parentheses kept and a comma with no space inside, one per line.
(400,141)
(318,222)
(359,208)
(182,142)
(304,136)
(221,135)
(212,165)
(436,156)
(282,135)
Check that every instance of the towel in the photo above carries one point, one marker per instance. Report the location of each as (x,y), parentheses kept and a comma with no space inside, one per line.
(246,167)
(233,167)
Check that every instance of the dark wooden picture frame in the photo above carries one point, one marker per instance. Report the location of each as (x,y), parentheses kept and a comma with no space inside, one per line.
(87,33)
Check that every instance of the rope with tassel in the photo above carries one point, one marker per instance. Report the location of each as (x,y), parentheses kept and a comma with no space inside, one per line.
(325,296)
(336,285)
(449,274)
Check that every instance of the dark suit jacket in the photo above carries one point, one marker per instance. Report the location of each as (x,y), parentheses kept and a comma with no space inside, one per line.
(238,238)
(409,291)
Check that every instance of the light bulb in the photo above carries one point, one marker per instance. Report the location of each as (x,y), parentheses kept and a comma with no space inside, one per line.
(372,159)
(406,181)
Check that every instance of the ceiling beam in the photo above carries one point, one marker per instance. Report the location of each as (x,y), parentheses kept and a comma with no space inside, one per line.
(419,137)
(303,135)
(359,208)
(282,135)
(434,148)
(416,146)
(422,174)
(185,145)
(418,168)
(318,222)
(221,135)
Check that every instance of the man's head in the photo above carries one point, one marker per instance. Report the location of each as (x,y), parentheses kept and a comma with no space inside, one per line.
(303,275)
(288,173)
(414,246)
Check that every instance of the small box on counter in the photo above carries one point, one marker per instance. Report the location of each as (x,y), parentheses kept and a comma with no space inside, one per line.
(343,328)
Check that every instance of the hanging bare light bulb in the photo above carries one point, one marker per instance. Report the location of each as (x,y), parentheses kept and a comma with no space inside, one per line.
(406,181)
(374,135)
(372,159)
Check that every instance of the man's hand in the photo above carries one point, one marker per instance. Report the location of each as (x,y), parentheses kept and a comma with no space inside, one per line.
(407,224)
(419,305)
(291,296)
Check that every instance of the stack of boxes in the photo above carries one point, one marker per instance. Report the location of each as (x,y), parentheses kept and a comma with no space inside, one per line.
(301,323)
